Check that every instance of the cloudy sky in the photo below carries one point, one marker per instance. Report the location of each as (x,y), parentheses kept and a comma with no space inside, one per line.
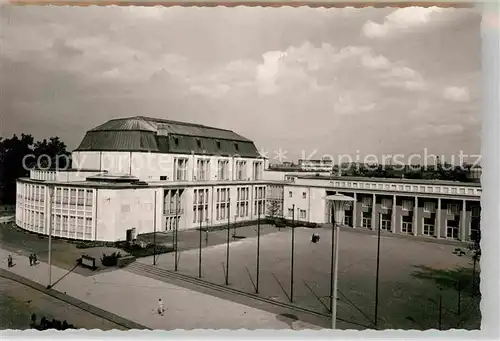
(333,81)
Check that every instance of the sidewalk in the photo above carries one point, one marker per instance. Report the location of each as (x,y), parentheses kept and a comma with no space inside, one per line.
(135,298)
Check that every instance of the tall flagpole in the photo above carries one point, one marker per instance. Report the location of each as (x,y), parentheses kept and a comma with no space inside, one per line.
(154,231)
(258,249)
(293,253)
(176,265)
(51,195)
(228,236)
(377,275)
(335,277)
(332,260)
(199,251)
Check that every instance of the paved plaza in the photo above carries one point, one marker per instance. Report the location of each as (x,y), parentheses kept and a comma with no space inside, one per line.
(405,300)
(135,298)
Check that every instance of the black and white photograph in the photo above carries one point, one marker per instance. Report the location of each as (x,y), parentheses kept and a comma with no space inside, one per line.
(277,168)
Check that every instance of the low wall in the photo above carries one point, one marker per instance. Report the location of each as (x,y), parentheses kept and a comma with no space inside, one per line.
(6,219)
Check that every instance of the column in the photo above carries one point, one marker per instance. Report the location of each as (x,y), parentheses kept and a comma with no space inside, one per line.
(438,220)
(355,211)
(415,217)
(374,211)
(465,226)
(393,214)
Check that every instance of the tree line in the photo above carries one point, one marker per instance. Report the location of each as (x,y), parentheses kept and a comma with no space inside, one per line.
(12,154)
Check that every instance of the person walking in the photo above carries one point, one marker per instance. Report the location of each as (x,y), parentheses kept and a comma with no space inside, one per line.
(31,259)
(35,260)
(9,261)
(161,309)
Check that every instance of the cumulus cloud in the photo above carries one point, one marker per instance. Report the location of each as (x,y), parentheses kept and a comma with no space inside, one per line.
(402,20)
(441,129)
(456,94)
(307,73)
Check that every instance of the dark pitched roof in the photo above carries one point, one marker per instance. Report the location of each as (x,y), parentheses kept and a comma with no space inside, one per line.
(165,136)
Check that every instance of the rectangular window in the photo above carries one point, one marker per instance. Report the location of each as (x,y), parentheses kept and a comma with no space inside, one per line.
(303,214)
(347,220)
(223,170)
(406,227)
(366,202)
(290,194)
(241,170)
(89,197)
(476,211)
(200,205)
(385,224)
(180,169)
(290,213)
(163,177)
(257,171)
(367,222)
(407,205)
(222,205)
(452,209)
(202,170)
(65,196)
(429,229)
(73,196)
(386,203)
(429,207)
(81,197)
(304,195)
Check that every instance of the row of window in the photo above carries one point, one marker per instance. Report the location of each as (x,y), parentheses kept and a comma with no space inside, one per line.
(452,226)
(408,205)
(302,214)
(74,196)
(408,188)
(72,227)
(304,195)
(203,170)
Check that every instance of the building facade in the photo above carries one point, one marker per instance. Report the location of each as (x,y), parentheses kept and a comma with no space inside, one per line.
(139,175)
(437,209)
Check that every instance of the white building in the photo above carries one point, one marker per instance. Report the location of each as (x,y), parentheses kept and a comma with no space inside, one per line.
(138,175)
(323,165)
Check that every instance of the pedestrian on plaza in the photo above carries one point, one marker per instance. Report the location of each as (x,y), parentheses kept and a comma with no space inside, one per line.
(9,261)
(31,259)
(35,260)
(161,309)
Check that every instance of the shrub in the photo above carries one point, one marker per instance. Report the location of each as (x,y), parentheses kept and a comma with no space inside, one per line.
(149,250)
(110,260)
(54,324)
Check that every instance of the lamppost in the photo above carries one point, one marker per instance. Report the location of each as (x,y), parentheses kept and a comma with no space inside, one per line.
(338,204)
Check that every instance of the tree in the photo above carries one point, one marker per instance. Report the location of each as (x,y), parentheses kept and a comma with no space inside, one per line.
(274,208)
(12,155)
(474,252)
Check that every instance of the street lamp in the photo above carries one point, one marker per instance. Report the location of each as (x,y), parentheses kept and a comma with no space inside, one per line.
(338,204)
